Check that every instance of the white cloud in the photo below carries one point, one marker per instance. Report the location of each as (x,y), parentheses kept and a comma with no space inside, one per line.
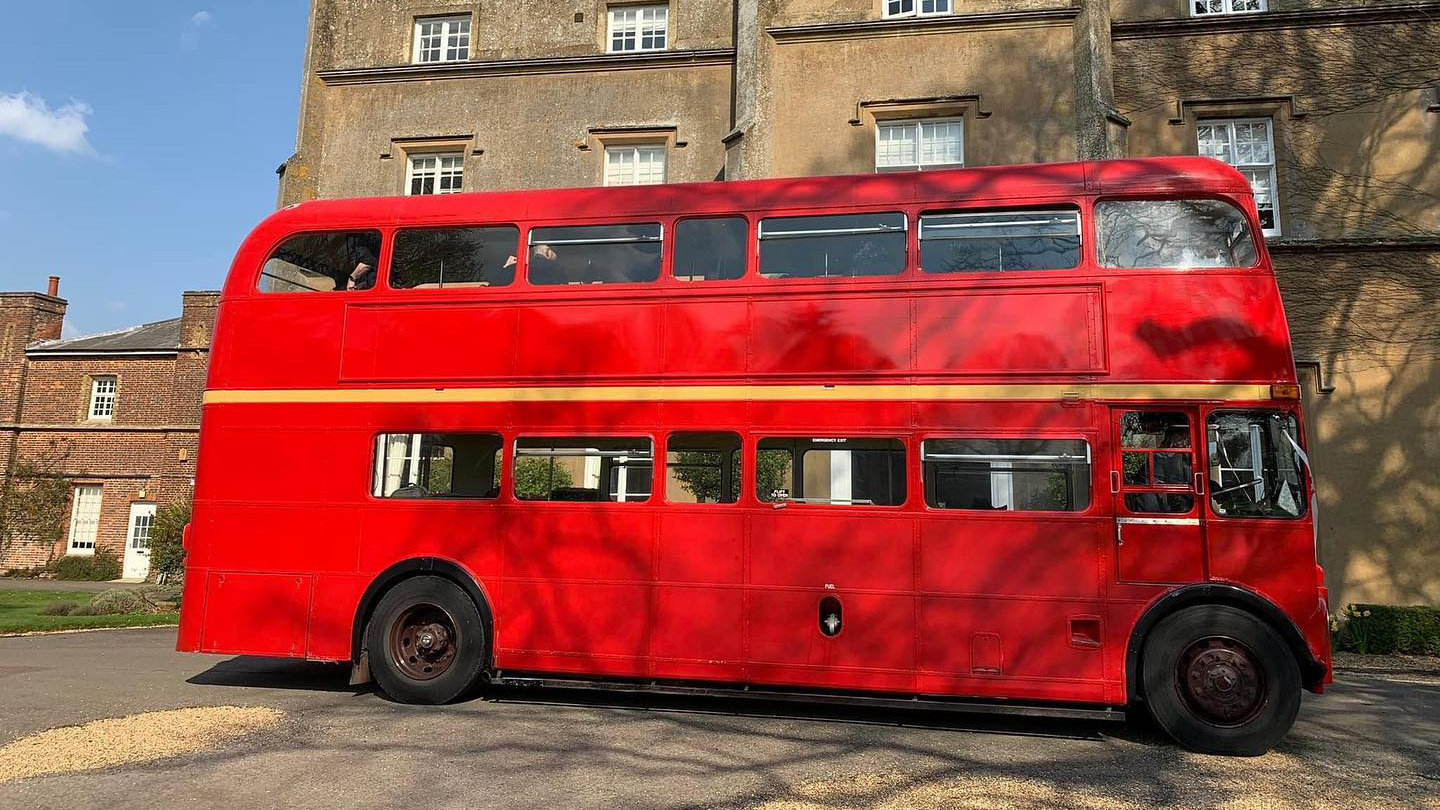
(28,118)
(190,37)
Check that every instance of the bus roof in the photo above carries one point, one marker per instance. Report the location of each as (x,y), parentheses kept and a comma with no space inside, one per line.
(1162,175)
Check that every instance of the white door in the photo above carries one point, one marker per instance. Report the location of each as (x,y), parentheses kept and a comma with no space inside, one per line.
(137,542)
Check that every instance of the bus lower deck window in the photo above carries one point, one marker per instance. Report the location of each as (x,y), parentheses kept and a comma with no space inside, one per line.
(581,468)
(595,254)
(831,471)
(437,465)
(830,246)
(702,468)
(454,257)
(322,262)
(1173,234)
(988,241)
(1020,475)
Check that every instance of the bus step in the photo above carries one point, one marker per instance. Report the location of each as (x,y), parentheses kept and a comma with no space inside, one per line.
(1057,711)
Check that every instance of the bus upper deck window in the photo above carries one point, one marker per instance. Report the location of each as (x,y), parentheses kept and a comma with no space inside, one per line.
(454,257)
(323,262)
(999,240)
(595,254)
(710,249)
(836,245)
(1173,234)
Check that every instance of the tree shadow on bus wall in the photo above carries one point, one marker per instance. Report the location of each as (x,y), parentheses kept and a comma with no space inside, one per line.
(1356,162)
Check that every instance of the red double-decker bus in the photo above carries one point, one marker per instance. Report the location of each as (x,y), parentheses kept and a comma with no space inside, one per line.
(1012,436)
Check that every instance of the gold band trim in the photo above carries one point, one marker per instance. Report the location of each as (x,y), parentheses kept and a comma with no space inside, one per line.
(751,393)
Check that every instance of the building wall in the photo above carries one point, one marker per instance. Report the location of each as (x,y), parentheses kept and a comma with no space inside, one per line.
(144,454)
(760,88)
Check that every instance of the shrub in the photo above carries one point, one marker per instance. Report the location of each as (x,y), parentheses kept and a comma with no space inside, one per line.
(101,566)
(1388,629)
(167,554)
(161,596)
(116,600)
(24,573)
(59,609)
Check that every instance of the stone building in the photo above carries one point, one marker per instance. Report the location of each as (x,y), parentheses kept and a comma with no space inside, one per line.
(116,414)
(1331,107)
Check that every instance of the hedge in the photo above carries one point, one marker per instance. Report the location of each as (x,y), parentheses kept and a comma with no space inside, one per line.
(101,566)
(1388,629)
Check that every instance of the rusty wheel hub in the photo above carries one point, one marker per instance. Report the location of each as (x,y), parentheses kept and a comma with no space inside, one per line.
(1221,682)
(423,642)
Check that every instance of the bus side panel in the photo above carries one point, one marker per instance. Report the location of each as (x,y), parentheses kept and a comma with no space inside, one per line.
(1034,330)
(333,615)
(256,614)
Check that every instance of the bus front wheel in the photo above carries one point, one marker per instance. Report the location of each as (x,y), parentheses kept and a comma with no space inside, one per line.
(426,641)
(1220,681)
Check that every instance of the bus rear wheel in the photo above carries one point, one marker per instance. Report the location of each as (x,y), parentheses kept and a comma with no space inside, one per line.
(426,641)
(1220,680)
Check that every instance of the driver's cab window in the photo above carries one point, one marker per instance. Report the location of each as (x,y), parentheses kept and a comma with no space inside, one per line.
(1255,465)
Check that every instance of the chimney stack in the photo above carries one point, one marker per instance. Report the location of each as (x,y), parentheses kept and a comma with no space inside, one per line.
(54,290)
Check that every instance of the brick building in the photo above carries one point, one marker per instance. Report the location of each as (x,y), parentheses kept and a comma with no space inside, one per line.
(1331,107)
(118,413)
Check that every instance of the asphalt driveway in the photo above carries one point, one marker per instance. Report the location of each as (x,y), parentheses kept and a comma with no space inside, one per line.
(1372,742)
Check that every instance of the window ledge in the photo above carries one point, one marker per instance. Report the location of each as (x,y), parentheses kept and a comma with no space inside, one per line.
(521,67)
(1275,20)
(899,26)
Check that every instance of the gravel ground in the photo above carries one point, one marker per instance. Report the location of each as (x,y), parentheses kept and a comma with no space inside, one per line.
(1371,743)
(130,740)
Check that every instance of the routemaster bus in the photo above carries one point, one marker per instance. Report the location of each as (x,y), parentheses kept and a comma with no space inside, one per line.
(1022,438)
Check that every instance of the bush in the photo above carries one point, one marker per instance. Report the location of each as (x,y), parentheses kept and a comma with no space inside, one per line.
(161,596)
(25,573)
(102,566)
(1389,629)
(115,601)
(167,554)
(59,609)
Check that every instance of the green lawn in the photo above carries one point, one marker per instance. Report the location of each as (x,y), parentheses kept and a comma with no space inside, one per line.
(20,613)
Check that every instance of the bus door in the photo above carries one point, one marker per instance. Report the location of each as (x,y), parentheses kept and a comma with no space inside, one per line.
(1156,483)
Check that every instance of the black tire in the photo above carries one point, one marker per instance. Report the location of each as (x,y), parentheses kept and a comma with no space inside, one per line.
(427,641)
(1220,681)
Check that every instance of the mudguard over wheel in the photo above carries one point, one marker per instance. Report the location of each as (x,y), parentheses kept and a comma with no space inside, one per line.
(426,641)
(1220,680)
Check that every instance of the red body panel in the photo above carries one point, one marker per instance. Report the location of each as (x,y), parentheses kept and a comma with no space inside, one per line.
(286,538)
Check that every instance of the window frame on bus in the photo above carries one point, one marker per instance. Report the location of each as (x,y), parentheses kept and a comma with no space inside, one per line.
(1099,489)
(662,467)
(392,235)
(501,475)
(1257,238)
(527,235)
(382,260)
(908,265)
(751,250)
(513,455)
(1057,205)
(751,497)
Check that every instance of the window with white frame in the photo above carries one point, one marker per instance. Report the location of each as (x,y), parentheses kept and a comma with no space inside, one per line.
(1248,144)
(102,398)
(638,28)
(634,165)
(912,8)
(903,146)
(442,39)
(1212,8)
(84,519)
(434,173)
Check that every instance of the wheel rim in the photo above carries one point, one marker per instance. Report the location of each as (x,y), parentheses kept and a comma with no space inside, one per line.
(1221,681)
(423,642)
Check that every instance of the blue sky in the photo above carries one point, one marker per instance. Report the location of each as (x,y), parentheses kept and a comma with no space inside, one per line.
(138,145)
